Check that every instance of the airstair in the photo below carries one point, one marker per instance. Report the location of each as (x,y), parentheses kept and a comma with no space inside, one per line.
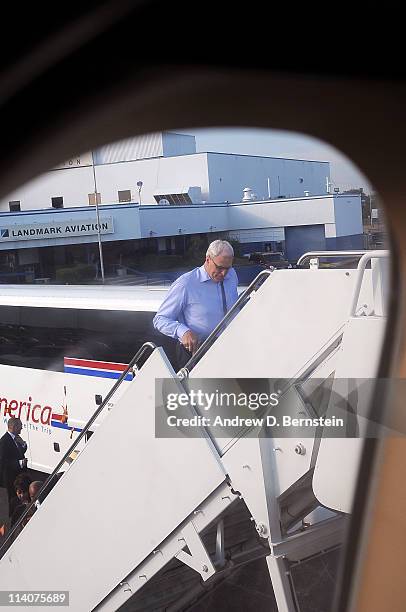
(135,508)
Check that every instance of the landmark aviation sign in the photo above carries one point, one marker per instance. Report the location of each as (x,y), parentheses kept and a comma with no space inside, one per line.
(66,229)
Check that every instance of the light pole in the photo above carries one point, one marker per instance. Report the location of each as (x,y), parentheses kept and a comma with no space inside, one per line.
(98,222)
(139,185)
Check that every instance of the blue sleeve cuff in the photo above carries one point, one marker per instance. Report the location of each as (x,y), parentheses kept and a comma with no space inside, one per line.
(181,330)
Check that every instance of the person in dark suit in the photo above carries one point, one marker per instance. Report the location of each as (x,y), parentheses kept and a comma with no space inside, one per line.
(12,456)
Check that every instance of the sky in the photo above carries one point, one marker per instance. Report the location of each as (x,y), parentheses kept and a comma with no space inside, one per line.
(275,143)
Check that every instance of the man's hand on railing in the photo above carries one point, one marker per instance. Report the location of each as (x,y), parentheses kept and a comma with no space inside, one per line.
(190,341)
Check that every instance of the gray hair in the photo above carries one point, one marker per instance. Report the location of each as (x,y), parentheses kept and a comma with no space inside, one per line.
(34,489)
(220,246)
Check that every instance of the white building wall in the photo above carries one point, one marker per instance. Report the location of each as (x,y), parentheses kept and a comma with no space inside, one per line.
(330,230)
(171,175)
(258,217)
(187,219)
(230,174)
(307,211)
(74,184)
(162,175)
(221,178)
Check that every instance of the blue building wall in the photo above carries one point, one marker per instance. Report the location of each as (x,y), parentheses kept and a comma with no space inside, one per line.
(310,238)
(299,240)
(348,215)
(346,243)
(248,247)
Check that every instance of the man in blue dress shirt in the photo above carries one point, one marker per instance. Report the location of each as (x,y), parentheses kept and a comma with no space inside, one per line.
(198,300)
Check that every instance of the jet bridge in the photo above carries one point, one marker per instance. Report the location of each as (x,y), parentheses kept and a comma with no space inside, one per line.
(132,502)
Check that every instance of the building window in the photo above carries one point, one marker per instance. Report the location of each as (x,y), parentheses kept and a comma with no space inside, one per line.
(92,199)
(14,206)
(57,202)
(124,196)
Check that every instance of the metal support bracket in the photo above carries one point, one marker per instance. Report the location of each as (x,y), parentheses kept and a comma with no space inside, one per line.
(219,558)
(126,587)
(198,559)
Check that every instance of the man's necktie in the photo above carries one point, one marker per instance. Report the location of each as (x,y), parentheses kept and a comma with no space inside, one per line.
(223,295)
(20,450)
(21,445)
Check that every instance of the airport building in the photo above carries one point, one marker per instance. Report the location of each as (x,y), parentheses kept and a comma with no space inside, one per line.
(155,193)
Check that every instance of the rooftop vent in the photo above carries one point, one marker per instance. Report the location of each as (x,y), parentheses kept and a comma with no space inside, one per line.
(249,195)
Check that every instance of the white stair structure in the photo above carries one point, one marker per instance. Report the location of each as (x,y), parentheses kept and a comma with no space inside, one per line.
(131,502)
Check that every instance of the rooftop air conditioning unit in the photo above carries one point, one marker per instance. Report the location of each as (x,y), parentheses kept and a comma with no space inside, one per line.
(249,195)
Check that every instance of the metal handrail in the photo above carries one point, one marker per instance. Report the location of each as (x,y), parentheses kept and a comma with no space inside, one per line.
(85,430)
(360,275)
(184,372)
(328,254)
